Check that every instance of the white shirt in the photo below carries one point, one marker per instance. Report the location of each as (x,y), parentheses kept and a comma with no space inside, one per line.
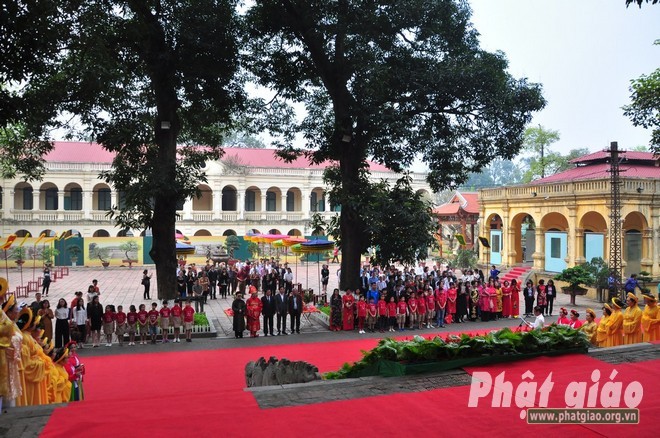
(80,316)
(62,313)
(539,322)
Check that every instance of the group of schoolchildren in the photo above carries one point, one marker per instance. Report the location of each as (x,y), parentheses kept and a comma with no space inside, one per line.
(146,324)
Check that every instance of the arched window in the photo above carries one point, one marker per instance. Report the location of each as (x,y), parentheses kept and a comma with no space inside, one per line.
(105,200)
(271,201)
(51,199)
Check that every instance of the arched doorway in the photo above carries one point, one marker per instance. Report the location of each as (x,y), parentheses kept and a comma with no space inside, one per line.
(592,244)
(202,233)
(229,233)
(494,224)
(524,237)
(556,241)
(101,233)
(633,242)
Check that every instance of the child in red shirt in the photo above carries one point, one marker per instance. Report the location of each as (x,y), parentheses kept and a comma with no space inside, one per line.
(153,322)
(361,313)
(412,310)
(401,312)
(382,313)
(165,322)
(391,314)
(421,310)
(131,320)
(175,320)
(108,325)
(120,328)
(430,309)
(188,320)
(372,314)
(143,317)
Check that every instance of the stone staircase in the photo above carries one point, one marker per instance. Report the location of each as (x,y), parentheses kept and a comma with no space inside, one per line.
(518,273)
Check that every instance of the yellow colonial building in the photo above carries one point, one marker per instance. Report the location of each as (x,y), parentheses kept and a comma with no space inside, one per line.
(564,219)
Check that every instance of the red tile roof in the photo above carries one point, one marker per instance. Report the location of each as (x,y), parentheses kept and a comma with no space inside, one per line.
(468,202)
(599,171)
(603,155)
(80,152)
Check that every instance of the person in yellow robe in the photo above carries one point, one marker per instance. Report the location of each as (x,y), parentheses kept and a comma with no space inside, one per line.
(10,382)
(601,331)
(615,324)
(650,319)
(590,327)
(632,321)
(33,368)
(64,384)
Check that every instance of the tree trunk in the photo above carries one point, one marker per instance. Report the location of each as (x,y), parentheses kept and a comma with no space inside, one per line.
(350,224)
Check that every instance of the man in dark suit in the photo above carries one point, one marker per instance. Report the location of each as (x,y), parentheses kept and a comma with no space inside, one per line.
(282,309)
(295,310)
(268,311)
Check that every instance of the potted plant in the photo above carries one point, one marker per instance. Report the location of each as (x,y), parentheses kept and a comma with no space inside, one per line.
(232,245)
(575,277)
(599,274)
(101,253)
(74,251)
(128,247)
(18,254)
(48,254)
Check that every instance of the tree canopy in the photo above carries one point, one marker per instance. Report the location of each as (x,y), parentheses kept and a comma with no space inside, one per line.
(389,83)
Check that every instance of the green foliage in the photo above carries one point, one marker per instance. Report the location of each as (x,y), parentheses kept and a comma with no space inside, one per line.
(318,225)
(246,140)
(644,109)
(639,2)
(465,259)
(576,276)
(18,253)
(21,153)
(252,249)
(73,250)
(99,252)
(48,254)
(500,343)
(599,272)
(232,243)
(128,247)
(200,319)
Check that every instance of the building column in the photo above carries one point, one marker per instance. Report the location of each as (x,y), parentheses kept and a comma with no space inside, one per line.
(263,205)
(87,203)
(60,200)
(113,199)
(8,202)
(35,200)
(511,244)
(187,209)
(654,250)
(240,205)
(283,206)
(580,256)
(647,250)
(217,204)
(539,254)
(306,199)
(571,251)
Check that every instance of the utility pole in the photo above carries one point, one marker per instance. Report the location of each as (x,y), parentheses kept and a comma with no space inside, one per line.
(615,256)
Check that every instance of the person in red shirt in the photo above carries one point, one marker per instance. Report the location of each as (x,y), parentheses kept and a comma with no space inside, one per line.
(188,319)
(253,313)
(165,322)
(382,313)
(131,320)
(421,310)
(361,313)
(108,325)
(401,312)
(412,311)
(152,317)
(441,306)
(391,314)
(175,320)
(575,320)
(372,314)
(430,308)
(120,326)
(143,317)
(452,296)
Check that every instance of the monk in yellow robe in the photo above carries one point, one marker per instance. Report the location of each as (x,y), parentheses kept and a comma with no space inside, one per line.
(650,319)
(632,321)
(615,324)
(64,384)
(590,327)
(601,331)
(33,368)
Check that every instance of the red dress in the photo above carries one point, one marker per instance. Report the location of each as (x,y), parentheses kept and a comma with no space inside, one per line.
(506,302)
(515,301)
(347,311)
(452,294)
(252,313)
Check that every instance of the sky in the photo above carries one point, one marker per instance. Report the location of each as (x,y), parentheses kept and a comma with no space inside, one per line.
(584,53)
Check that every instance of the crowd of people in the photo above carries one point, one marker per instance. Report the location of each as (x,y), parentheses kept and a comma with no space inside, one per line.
(32,370)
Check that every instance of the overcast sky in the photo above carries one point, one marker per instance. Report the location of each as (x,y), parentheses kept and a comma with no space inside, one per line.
(584,53)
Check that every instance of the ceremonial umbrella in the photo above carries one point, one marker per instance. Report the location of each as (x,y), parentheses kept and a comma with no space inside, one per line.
(316,247)
(184,249)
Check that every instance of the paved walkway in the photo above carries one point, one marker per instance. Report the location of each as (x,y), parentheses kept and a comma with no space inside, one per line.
(121,286)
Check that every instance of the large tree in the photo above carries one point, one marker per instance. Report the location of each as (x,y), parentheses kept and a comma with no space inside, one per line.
(141,77)
(390,81)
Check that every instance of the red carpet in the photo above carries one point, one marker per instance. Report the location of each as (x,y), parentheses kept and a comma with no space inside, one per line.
(202,393)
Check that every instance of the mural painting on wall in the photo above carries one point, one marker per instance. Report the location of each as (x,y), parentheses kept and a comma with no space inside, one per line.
(31,251)
(113,251)
(210,248)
